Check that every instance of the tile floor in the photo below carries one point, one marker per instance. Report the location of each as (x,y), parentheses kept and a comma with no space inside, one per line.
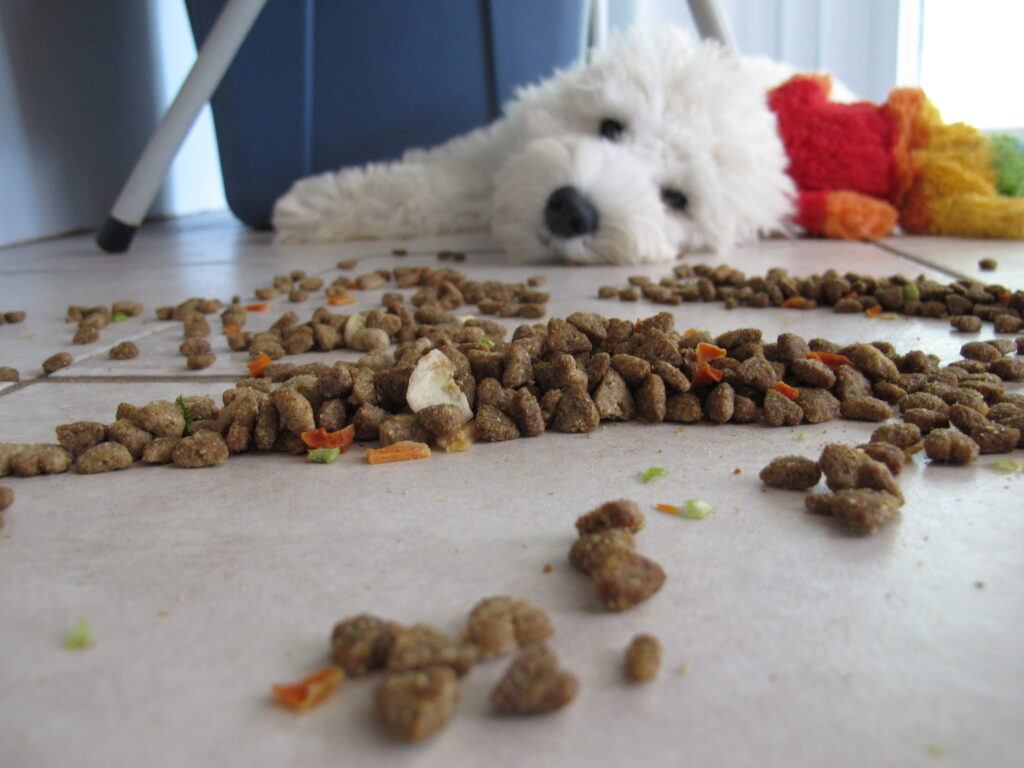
(787,642)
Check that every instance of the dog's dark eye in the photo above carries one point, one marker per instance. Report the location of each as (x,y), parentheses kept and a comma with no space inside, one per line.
(611,129)
(674,199)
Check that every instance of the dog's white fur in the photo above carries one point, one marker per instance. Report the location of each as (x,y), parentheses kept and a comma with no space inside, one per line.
(696,120)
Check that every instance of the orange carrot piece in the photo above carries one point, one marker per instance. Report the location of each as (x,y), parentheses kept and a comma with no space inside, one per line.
(784,389)
(706,375)
(307,693)
(406,450)
(256,365)
(668,509)
(874,311)
(795,302)
(261,307)
(707,352)
(321,438)
(342,300)
(831,359)
(231,330)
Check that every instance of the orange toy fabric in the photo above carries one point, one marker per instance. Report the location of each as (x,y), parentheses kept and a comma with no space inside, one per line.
(860,168)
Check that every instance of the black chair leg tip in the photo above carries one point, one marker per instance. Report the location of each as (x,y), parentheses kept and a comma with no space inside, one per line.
(115,236)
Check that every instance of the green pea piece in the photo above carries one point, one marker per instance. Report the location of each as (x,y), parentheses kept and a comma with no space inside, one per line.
(324,455)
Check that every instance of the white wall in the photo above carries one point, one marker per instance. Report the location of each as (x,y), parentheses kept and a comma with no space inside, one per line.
(82,85)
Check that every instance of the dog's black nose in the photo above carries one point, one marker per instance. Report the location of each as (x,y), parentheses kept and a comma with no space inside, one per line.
(569,214)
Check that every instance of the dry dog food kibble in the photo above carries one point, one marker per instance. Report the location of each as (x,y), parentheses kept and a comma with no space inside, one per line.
(794,473)
(9,374)
(500,625)
(80,436)
(103,457)
(6,499)
(643,658)
(203,449)
(422,646)
(620,513)
(415,705)
(988,264)
(949,446)
(901,435)
(126,350)
(15,316)
(42,459)
(861,510)
(534,684)
(56,362)
(361,644)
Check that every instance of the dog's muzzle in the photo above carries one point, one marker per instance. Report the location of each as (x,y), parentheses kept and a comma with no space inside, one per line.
(569,214)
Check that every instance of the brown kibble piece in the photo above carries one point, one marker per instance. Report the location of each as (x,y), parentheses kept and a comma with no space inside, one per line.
(203,449)
(620,513)
(493,426)
(818,405)
(444,419)
(500,625)
(966,323)
(865,408)
(840,463)
(1008,368)
(650,399)
(8,374)
(80,436)
(988,264)
(160,450)
(130,435)
(886,453)
(86,334)
(721,403)
(643,658)
(126,350)
(533,684)
(14,317)
(56,362)
(900,435)
(995,438)
(794,473)
(576,412)
(625,579)
(103,457)
(779,410)
(591,550)
(415,705)
(873,363)
(421,646)
(612,398)
(862,510)
(950,446)
(6,499)
(42,459)
(199,362)
(361,644)
(925,420)
(295,410)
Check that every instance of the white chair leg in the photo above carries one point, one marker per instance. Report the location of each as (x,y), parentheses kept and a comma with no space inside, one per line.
(212,61)
(711,22)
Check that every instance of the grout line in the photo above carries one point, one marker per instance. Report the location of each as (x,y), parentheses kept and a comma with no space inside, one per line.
(922,261)
(127,379)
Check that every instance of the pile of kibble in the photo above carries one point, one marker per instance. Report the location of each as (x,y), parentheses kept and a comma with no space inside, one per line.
(965,302)
(422,665)
(566,375)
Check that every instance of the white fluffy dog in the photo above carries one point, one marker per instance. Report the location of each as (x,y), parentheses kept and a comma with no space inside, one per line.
(656,145)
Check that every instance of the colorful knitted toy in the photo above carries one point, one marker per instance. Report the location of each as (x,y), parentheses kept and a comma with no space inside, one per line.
(859,168)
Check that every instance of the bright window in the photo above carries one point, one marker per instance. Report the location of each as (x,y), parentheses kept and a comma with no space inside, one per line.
(966,56)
